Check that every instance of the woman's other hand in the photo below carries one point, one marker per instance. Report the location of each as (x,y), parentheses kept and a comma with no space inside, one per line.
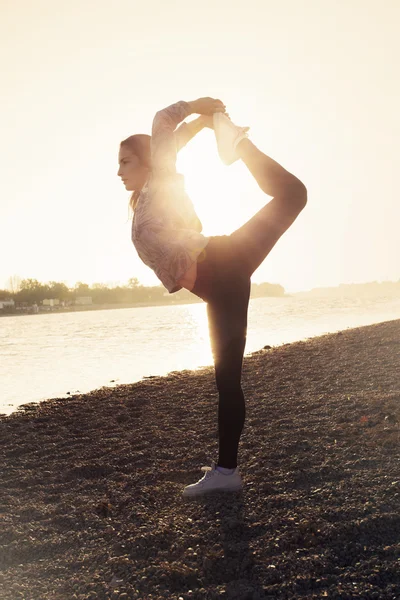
(207,106)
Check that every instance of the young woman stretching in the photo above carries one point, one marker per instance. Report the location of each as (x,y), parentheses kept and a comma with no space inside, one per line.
(166,233)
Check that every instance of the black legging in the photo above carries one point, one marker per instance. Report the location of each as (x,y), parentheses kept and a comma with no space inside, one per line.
(224,269)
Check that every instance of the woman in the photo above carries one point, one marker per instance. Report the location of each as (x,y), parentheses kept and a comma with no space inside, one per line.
(167,235)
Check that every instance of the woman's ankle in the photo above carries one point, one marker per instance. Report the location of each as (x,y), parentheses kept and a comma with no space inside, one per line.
(244,147)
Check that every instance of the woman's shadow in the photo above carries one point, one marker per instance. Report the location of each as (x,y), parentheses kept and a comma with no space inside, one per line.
(229,561)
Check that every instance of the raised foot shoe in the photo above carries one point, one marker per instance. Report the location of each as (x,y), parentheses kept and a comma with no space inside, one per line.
(228,135)
(214,481)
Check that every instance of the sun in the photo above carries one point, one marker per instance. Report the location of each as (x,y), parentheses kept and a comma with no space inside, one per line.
(217,191)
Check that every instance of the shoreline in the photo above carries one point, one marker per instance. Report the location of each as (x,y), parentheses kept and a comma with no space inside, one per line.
(191,300)
(92,484)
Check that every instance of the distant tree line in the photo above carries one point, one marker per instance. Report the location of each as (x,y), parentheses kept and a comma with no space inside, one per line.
(32,291)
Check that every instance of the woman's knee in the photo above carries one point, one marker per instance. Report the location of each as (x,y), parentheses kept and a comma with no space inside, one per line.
(297,194)
(231,392)
(294,200)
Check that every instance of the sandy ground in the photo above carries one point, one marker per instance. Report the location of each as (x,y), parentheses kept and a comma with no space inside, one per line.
(91,503)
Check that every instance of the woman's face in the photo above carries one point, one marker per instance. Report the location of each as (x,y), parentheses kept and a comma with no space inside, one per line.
(132,173)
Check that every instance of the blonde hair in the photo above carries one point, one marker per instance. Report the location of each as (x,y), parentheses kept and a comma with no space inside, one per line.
(138,144)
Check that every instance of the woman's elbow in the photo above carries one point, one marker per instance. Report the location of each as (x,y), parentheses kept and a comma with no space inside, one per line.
(162,121)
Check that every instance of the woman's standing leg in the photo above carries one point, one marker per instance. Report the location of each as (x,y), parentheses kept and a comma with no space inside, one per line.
(256,238)
(227,320)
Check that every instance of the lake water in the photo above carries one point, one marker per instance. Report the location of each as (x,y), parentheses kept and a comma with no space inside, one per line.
(47,355)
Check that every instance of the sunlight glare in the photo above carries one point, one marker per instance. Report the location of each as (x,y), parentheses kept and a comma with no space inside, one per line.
(217,191)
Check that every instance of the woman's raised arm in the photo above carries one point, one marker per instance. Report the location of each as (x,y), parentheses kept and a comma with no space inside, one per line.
(163,142)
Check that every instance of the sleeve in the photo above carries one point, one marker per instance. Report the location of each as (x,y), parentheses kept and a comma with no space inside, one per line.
(171,200)
(182,136)
(189,216)
(163,144)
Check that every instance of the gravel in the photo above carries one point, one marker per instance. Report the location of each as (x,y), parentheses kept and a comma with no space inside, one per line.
(91,486)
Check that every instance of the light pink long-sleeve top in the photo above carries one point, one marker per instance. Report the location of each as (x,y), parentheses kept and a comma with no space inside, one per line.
(166,230)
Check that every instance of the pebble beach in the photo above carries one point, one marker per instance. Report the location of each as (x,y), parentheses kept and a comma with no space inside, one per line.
(91,486)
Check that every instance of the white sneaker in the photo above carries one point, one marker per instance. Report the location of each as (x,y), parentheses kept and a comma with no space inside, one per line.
(228,135)
(214,481)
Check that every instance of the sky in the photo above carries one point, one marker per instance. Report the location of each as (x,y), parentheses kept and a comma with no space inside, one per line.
(315,80)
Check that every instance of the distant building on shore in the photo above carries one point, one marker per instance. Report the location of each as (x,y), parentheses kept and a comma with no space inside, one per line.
(6,302)
(51,302)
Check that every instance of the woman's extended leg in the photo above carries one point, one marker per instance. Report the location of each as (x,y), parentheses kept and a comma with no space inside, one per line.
(256,238)
(225,286)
